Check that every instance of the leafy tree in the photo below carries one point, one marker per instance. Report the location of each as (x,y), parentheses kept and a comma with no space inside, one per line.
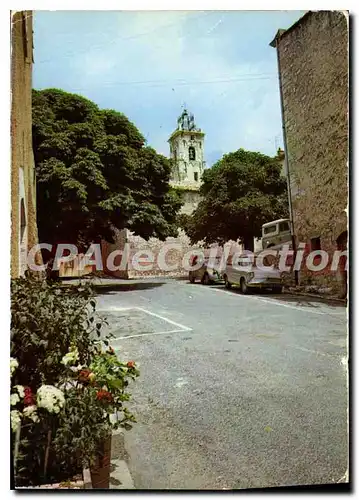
(95,173)
(239,193)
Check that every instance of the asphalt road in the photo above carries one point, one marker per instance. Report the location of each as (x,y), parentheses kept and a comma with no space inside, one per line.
(235,391)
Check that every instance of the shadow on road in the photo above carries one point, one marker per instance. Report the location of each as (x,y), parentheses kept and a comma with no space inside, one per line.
(126,287)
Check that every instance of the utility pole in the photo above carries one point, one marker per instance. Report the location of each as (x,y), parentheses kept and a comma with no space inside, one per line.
(274,44)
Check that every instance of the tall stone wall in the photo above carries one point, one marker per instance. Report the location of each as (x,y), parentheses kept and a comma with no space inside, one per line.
(23,181)
(313,58)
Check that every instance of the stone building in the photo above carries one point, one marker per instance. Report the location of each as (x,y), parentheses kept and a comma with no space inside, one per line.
(313,77)
(187,151)
(187,154)
(23,181)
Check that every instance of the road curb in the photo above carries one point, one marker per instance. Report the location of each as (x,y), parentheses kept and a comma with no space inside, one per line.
(120,476)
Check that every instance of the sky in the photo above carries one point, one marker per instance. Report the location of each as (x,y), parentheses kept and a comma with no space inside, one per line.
(149,65)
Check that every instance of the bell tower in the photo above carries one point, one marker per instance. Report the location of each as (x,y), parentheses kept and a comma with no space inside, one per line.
(187,152)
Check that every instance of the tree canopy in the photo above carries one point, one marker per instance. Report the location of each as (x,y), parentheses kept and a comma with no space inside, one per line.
(239,193)
(95,173)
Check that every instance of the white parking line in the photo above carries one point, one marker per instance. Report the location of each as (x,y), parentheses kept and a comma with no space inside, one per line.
(114,309)
(180,328)
(183,327)
(276,303)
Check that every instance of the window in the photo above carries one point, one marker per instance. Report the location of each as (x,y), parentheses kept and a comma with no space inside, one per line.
(191,153)
(22,220)
(315,244)
(192,137)
(244,262)
(270,229)
(283,226)
(196,176)
(25,34)
(184,143)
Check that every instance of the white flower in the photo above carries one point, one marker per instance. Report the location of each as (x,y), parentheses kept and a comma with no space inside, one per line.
(15,417)
(51,398)
(14,399)
(30,412)
(76,368)
(71,357)
(20,390)
(13,365)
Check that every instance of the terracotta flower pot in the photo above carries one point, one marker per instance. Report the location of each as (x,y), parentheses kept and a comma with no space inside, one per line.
(100,470)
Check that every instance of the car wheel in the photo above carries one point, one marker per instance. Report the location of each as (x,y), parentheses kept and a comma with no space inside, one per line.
(227,284)
(192,279)
(278,289)
(206,279)
(244,287)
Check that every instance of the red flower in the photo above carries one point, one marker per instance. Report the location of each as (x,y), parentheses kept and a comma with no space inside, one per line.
(104,395)
(84,376)
(130,364)
(29,398)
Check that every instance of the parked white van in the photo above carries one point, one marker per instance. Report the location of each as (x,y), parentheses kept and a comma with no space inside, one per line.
(276,233)
(243,272)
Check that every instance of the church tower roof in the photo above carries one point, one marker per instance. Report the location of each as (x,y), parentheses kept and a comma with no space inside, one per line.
(186,123)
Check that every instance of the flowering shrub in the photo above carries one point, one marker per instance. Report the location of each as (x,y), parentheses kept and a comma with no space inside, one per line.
(95,398)
(69,390)
(20,398)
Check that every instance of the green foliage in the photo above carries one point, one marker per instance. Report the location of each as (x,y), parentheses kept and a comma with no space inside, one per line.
(46,319)
(57,340)
(239,193)
(94,173)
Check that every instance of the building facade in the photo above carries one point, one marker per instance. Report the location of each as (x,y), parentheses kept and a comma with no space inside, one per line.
(187,151)
(313,77)
(23,180)
(187,155)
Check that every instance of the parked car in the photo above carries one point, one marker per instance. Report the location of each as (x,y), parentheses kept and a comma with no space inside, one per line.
(276,233)
(208,273)
(243,272)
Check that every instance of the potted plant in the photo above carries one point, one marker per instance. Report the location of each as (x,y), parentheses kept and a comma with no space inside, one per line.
(96,397)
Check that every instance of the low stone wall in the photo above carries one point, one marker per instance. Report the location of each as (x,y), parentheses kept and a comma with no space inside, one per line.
(177,253)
